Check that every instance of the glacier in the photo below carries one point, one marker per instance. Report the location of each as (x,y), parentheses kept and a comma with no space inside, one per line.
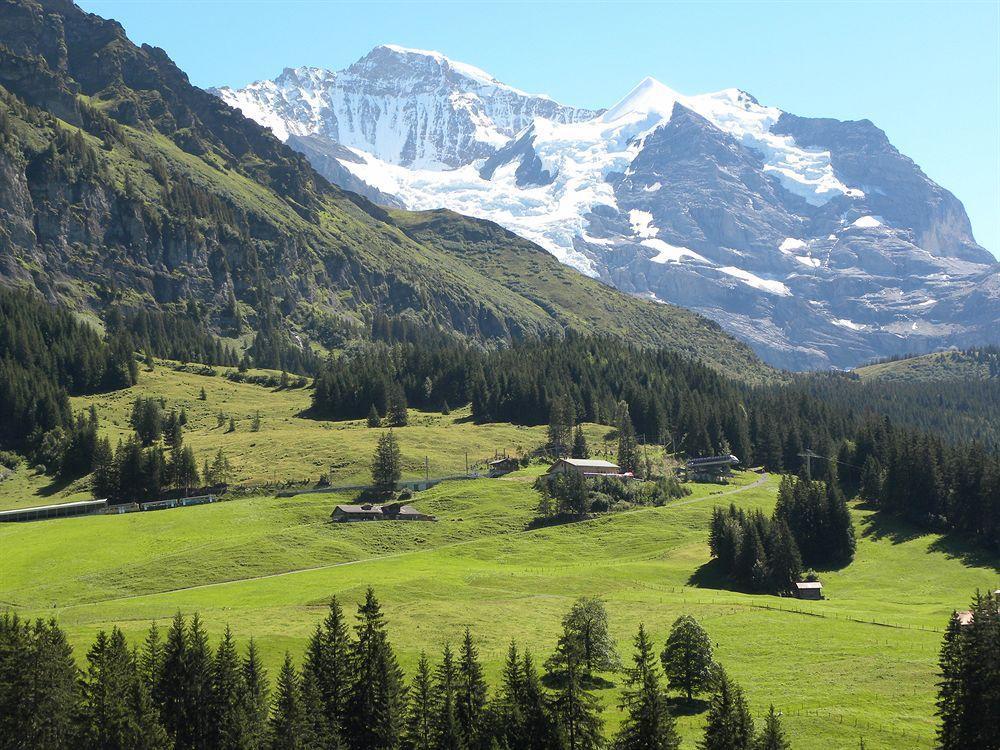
(813,239)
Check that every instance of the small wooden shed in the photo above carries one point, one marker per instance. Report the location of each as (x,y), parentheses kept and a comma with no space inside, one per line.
(809,590)
(505,465)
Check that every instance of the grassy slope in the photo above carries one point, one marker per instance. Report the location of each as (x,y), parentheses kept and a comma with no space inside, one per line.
(573,299)
(937,366)
(288,445)
(469,258)
(836,675)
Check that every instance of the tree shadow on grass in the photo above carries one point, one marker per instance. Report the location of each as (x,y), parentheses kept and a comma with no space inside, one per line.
(556,680)
(55,486)
(712,576)
(956,548)
(881,525)
(681,706)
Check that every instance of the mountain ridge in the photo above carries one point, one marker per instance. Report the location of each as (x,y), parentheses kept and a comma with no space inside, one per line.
(126,188)
(828,248)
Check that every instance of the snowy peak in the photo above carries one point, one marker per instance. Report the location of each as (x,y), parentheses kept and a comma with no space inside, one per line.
(388,60)
(409,107)
(649,99)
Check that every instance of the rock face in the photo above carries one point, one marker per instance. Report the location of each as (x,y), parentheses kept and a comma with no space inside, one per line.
(409,107)
(814,240)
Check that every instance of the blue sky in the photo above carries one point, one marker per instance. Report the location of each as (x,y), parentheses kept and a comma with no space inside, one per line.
(928,73)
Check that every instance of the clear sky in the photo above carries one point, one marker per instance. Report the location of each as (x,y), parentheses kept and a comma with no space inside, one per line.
(928,73)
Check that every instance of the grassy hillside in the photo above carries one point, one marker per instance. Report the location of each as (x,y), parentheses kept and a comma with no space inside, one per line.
(130,187)
(971,364)
(861,663)
(288,446)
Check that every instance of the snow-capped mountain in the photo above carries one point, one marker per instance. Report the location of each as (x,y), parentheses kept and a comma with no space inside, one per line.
(814,240)
(409,107)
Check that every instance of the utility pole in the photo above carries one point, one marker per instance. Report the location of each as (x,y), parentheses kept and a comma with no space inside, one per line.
(427,475)
(808,455)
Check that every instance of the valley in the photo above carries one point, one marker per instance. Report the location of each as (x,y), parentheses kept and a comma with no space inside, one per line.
(368,374)
(860,664)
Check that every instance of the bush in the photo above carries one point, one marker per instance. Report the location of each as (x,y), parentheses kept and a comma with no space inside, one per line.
(10,460)
(600,503)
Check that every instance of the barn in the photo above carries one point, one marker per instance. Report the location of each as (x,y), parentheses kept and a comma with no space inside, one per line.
(809,590)
(587,467)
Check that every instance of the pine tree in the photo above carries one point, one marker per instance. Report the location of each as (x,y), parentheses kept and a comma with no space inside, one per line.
(541,727)
(220,470)
(318,733)
(751,563)
(255,698)
(729,725)
(580,448)
(507,709)
(228,712)
(628,448)
(386,463)
(105,481)
(969,691)
(784,561)
(772,736)
(199,698)
(950,688)
(840,530)
(376,702)
(871,480)
(560,426)
(151,660)
(328,663)
(116,712)
(648,723)
(374,420)
(419,731)
(38,685)
(471,692)
(396,414)
(288,726)
(447,732)
(577,710)
(687,657)
(171,690)
(184,468)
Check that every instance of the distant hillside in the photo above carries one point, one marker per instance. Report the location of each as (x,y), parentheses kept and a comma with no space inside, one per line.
(969,364)
(123,186)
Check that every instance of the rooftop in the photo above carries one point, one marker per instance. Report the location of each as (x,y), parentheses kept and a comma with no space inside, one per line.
(57,506)
(808,585)
(711,460)
(594,463)
(389,509)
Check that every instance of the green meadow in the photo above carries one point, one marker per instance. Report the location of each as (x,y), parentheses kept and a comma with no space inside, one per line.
(289,445)
(859,664)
